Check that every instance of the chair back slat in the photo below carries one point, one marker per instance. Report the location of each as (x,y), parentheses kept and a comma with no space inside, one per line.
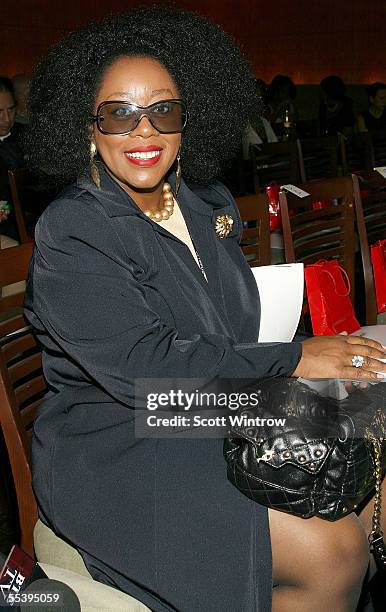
(23,368)
(330,229)
(35,385)
(256,239)
(18,344)
(11,325)
(11,302)
(28,415)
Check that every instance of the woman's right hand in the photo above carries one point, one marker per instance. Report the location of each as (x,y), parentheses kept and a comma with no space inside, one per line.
(330,357)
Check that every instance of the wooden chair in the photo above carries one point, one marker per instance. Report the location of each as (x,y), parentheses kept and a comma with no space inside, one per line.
(275,162)
(14,264)
(312,233)
(318,157)
(21,385)
(356,153)
(379,148)
(371,224)
(21,388)
(373,199)
(255,241)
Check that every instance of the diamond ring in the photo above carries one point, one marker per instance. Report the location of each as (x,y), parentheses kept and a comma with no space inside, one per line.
(358,361)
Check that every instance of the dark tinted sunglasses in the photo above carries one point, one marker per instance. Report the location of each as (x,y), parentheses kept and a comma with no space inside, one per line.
(116,117)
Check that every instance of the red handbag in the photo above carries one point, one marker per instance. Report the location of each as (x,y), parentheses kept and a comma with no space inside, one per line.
(378,260)
(328,295)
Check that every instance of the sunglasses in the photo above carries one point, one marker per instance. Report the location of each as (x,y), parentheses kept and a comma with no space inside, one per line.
(166,116)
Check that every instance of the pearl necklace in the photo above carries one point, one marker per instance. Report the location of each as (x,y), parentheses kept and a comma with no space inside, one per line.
(168,206)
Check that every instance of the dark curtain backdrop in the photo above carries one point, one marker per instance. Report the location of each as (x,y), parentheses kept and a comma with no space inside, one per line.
(306,39)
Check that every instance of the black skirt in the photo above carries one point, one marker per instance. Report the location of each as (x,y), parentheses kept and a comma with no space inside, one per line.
(155,518)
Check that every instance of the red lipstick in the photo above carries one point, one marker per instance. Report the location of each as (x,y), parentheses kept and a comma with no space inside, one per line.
(147,155)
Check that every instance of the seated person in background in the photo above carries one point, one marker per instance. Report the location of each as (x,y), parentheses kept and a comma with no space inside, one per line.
(11,153)
(21,84)
(281,95)
(252,136)
(259,130)
(336,114)
(373,119)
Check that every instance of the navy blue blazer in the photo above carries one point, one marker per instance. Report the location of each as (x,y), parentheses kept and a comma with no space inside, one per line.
(114,296)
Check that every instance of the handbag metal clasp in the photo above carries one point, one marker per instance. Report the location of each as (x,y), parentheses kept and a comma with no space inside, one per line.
(266,457)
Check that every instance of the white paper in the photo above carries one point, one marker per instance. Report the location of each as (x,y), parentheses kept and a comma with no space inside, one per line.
(281,298)
(295,190)
(381,170)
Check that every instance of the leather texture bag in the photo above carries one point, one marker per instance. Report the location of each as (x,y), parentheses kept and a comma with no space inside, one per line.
(321,461)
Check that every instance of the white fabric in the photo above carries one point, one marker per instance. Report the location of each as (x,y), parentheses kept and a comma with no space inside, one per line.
(251,137)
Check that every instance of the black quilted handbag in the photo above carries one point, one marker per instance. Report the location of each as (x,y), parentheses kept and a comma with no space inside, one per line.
(322,462)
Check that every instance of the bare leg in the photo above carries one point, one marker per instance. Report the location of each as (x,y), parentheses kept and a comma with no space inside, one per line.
(317,565)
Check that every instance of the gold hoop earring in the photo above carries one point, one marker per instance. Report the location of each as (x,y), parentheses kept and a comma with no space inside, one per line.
(94,172)
(178,172)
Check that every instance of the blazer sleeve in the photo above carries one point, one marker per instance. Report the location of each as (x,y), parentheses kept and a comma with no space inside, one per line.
(88,298)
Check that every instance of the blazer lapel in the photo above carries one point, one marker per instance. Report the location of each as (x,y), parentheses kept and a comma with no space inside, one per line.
(200,217)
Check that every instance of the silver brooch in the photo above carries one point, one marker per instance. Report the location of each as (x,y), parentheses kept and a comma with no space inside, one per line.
(223,226)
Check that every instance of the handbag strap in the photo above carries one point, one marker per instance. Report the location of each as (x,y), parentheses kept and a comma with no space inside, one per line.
(376,530)
(345,275)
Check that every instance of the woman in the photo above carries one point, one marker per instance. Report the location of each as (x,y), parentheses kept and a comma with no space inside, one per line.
(336,115)
(281,95)
(129,282)
(373,119)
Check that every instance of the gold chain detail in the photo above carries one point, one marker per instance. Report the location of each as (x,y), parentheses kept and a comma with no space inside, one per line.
(376,520)
(379,424)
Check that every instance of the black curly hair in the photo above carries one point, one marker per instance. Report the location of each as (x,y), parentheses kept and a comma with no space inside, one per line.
(207,66)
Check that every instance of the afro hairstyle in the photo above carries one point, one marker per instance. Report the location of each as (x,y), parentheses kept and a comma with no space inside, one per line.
(209,69)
